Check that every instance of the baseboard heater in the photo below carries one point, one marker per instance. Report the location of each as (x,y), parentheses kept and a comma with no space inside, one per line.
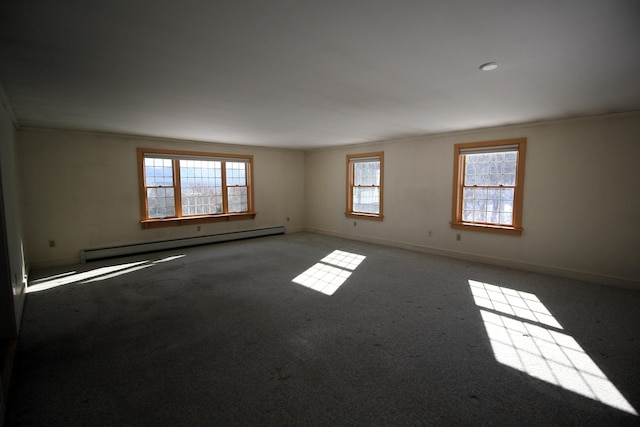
(138,248)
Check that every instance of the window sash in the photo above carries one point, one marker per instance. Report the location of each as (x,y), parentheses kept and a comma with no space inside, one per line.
(209,199)
(179,190)
(494,203)
(365,187)
(205,198)
(488,196)
(373,202)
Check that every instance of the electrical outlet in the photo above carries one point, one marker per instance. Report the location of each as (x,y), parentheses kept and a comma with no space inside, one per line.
(354,223)
(287,219)
(52,243)
(430,233)
(198,228)
(458,237)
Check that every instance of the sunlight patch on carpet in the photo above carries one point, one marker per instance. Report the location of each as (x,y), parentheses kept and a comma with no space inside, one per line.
(525,336)
(330,273)
(93,275)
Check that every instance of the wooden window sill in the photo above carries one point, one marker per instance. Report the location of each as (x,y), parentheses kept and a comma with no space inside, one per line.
(189,220)
(514,231)
(364,216)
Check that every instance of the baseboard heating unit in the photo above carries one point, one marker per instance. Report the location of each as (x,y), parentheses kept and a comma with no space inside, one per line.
(138,248)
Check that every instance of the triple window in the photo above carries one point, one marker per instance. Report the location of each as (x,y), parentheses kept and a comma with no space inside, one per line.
(488,186)
(365,178)
(178,186)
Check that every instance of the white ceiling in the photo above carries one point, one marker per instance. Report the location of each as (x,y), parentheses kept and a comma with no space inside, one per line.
(314,73)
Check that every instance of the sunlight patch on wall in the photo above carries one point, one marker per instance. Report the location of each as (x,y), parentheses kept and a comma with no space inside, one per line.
(524,335)
(97,274)
(330,273)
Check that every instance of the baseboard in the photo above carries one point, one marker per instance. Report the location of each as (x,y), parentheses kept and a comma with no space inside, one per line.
(292,230)
(553,271)
(139,248)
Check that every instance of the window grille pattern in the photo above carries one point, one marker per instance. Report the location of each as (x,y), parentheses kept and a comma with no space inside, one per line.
(236,174)
(365,182)
(201,187)
(489,188)
(181,185)
(158,175)
(366,187)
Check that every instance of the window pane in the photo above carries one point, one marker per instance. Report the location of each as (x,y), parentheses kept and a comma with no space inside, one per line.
(467,193)
(486,193)
(479,216)
(488,205)
(158,172)
(493,211)
(482,167)
(509,179)
(510,167)
(201,189)
(511,156)
(201,185)
(236,173)
(160,202)
(493,193)
(237,197)
(507,193)
(506,218)
(492,205)
(366,173)
(483,180)
(366,200)
(467,204)
(490,169)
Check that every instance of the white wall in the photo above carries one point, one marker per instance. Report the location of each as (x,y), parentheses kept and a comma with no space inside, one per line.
(81,190)
(580,197)
(13,290)
(581,213)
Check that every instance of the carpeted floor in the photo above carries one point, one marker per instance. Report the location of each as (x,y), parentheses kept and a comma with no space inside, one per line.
(222,335)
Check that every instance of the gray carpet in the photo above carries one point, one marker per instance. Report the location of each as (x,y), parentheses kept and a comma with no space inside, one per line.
(222,336)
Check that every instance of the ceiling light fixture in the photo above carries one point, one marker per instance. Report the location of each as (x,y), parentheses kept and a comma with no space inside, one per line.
(489,66)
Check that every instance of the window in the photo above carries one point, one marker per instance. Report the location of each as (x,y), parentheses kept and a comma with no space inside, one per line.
(179,187)
(365,176)
(487,186)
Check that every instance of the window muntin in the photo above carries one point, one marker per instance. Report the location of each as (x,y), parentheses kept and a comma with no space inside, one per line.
(364,185)
(177,186)
(488,183)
